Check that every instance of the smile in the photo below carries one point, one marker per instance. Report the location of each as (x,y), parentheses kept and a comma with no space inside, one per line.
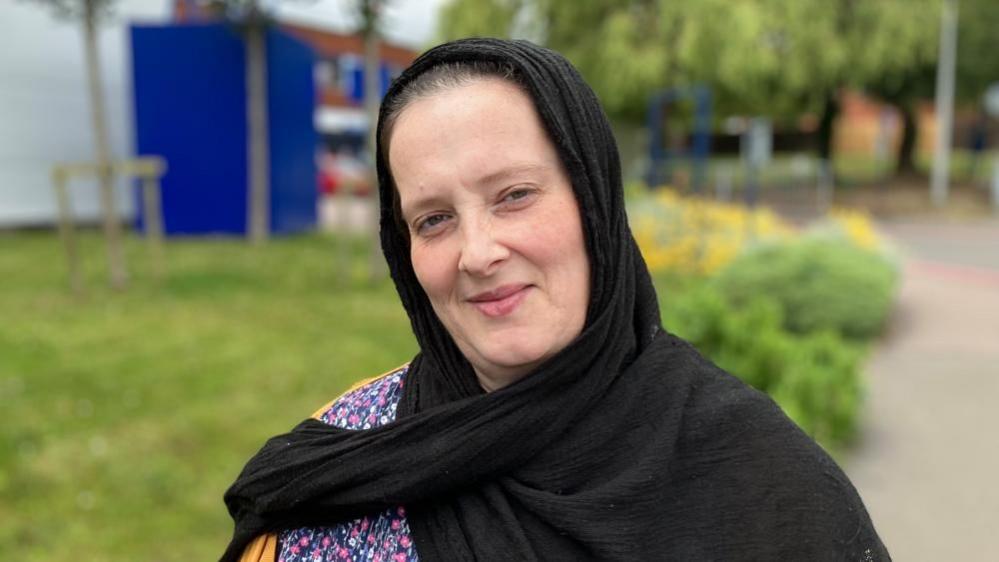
(501,301)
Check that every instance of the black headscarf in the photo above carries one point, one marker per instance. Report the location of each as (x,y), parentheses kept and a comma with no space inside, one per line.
(626,445)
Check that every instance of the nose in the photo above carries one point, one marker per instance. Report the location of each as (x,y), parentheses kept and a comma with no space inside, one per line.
(481,252)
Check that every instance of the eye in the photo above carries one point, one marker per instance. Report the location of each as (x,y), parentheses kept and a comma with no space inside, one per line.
(430,223)
(517,196)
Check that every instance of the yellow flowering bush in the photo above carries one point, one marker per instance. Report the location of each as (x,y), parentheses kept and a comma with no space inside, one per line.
(857,227)
(693,236)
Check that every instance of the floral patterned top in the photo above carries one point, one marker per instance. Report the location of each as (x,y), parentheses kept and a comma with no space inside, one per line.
(383,537)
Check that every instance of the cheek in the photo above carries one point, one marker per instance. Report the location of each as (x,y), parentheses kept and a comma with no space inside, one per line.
(558,240)
(561,246)
(431,267)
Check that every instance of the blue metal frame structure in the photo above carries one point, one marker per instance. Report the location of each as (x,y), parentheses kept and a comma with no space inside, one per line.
(662,159)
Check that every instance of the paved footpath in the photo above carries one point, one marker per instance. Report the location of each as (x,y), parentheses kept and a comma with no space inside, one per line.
(928,462)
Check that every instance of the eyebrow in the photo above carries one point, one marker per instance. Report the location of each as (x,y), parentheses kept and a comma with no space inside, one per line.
(491,178)
(418,206)
(511,171)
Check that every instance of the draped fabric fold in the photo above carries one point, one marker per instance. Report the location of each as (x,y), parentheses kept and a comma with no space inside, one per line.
(626,445)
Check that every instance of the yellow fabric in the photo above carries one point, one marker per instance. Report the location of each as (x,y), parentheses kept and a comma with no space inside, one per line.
(264,547)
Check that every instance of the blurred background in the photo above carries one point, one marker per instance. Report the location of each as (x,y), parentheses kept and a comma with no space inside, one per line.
(188,261)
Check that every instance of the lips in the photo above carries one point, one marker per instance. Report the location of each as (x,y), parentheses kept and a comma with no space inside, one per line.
(500,301)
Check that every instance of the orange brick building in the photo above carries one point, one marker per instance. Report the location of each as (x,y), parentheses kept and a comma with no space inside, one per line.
(867,126)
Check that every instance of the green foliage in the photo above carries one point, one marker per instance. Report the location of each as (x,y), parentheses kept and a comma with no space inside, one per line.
(820,283)
(814,377)
(478,18)
(772,57)
(978,22)
(821,390)
(748,341)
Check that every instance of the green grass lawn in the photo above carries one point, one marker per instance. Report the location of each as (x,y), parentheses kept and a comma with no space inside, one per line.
(125,415)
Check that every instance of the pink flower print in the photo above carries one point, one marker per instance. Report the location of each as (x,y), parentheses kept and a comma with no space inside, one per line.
(294,549)
(387,544)
(396,524)
(342,552)
(354,531)
(381,400)
(304,541)
(353,419)
(316,554)
(371,539)
(372,418)
(364,524)
(405,541)
(401,511)
(399,557)
(327,542)
(377,558)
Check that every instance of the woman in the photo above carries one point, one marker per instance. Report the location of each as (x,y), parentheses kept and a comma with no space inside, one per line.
(548,416)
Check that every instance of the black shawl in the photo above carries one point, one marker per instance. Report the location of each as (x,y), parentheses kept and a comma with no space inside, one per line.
(627,445)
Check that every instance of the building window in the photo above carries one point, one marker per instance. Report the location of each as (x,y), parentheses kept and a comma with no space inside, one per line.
(327,73)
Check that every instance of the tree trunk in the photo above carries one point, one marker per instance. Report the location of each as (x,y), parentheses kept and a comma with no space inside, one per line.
(112,228)
(258,158)
(372,99)
(906,161)
(825,174)
(827,122)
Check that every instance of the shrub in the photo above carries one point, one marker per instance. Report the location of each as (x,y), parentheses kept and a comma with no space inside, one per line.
(815,377)
(821,389)
(820,281)
(748,341)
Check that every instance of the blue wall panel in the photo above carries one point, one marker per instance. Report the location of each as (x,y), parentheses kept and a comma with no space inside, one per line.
(190,107)
(293,139)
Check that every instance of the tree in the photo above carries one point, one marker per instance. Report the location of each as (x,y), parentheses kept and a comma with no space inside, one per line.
(90,13)
(895,49)
(253,21)
(368,14)
(774,57)
(978,24)
(758,55)
(902,81)
(255,24)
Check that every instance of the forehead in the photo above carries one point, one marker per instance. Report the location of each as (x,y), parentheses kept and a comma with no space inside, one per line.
(464,133)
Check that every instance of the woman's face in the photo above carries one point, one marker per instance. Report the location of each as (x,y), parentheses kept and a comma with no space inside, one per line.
(496,238)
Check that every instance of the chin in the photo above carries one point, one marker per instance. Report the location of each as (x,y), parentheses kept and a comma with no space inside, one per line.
(515,355)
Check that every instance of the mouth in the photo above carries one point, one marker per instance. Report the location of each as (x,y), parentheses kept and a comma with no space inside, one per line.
(500,301)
